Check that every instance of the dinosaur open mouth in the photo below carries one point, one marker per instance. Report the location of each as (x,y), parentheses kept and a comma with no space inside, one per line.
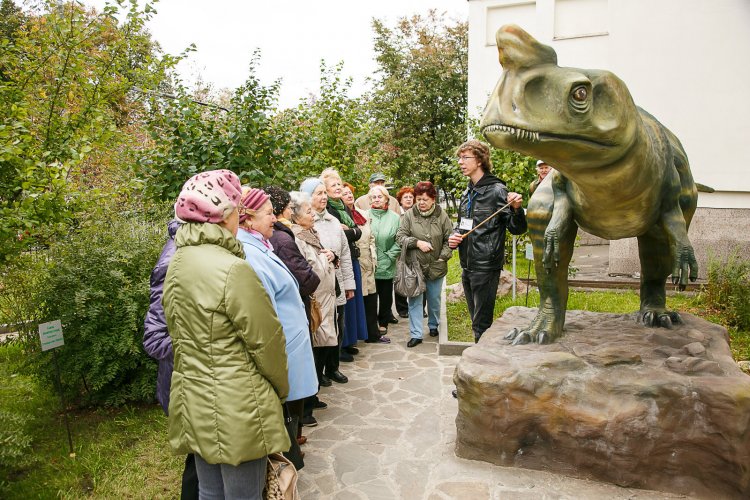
(533,136)
(527,135)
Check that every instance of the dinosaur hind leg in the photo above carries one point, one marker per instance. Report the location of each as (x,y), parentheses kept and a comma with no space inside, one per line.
(548,323)
(656,266)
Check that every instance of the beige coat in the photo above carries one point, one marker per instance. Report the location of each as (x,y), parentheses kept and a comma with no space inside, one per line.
(368,254)
(325,294)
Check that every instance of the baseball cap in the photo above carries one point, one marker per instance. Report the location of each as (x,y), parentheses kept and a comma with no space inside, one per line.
(377,176)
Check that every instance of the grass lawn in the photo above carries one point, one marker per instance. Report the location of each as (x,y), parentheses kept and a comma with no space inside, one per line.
(459,322)
(119,453)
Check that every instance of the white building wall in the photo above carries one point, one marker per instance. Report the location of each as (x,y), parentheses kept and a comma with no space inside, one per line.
(687,62)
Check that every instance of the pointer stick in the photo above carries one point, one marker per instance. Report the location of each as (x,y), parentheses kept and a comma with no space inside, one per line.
(485,220)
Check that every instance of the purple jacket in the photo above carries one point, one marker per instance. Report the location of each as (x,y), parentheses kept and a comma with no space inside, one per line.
(156,340)
(287,250)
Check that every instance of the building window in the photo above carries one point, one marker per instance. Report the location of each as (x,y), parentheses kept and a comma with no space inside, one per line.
(522,13)
(580,18)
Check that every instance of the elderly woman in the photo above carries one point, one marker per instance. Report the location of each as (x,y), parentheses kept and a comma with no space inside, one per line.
(256,227)
(333,238)
(230,365)
(285,246)
(384,224)
(425,230)
(405,197)
(367,260)
(355,324)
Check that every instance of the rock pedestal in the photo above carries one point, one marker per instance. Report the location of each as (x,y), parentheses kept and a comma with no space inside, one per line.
(610,400)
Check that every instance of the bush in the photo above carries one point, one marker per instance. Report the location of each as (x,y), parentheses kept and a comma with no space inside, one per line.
(97,284)
(728,290)
(15,444)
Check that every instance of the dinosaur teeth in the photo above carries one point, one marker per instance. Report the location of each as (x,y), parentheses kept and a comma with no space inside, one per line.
(519,133)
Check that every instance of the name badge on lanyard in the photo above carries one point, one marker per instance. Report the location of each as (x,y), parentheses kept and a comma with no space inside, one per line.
(466,224)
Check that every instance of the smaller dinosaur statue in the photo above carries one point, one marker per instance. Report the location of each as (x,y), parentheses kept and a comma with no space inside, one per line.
(619,174)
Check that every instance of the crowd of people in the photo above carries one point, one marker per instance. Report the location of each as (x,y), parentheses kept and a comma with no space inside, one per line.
(260,294)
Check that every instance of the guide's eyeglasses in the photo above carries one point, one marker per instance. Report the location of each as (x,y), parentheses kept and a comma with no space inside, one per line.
(464,158)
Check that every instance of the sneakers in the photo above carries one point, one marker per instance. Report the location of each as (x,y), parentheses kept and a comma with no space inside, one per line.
(434,332)
(309,421)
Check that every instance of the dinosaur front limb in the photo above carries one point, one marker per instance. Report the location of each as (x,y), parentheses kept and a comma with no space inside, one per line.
(559,224)
(684,264)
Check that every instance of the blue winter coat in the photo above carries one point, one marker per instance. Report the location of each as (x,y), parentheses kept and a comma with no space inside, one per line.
(283,289)
(156,340)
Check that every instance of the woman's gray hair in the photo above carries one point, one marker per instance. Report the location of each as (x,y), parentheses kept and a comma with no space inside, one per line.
(380,188)
(297,203)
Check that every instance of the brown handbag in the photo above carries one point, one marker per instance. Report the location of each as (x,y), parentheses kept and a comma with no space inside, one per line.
(316,317)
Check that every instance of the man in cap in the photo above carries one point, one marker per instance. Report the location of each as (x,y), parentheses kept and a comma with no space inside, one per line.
(363,202)
(542,169)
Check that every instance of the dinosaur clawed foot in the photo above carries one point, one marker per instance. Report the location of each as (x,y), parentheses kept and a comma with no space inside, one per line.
(659,318)
(528,336)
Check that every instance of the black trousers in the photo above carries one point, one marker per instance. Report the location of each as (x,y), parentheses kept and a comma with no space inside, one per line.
(371,316)
(384,290)
(480,289)
(402,304)
(189,480)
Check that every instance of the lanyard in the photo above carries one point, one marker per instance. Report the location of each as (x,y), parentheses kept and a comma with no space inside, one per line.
(468,203)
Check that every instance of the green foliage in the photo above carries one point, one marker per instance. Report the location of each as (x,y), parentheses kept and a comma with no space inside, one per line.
(728,290)
(65,90)
(420,97)
(190,137)
(96,283)
(15,443)
(329,130)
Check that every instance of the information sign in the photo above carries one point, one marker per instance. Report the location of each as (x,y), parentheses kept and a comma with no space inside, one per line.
(50,334)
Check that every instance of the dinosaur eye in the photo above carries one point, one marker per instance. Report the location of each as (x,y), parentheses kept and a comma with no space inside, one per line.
(579,98)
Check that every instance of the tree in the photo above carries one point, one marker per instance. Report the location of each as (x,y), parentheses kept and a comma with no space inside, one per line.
(421,96)
(330,130)
(68,76)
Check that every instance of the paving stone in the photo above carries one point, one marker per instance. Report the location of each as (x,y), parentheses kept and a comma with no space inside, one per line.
(390,433)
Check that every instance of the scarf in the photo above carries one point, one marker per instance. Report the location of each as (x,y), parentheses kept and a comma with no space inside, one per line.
(309,236)
(284,221)
(359,219)
(255,234)
(427,213)
(338,205)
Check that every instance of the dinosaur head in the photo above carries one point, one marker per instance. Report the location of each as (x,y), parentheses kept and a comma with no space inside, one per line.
(572,118)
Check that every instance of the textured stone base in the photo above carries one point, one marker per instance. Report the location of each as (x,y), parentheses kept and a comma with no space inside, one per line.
(611,400)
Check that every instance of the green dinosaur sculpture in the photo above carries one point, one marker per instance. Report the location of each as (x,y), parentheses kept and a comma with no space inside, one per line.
(619,173)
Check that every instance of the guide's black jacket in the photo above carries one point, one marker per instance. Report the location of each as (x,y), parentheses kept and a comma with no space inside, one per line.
(484,249)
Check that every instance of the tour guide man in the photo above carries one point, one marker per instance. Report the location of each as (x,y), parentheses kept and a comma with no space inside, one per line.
(482,252)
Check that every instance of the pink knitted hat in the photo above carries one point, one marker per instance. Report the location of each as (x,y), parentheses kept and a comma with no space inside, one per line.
(208,197)
(253,199)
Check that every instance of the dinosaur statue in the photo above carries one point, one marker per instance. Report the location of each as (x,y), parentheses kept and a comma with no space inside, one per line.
(619,173)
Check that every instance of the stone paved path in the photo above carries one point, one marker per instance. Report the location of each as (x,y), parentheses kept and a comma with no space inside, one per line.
(390,434)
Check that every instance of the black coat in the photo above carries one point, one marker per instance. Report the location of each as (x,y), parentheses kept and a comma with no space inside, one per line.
(484,249)
(287,250)
(352,233)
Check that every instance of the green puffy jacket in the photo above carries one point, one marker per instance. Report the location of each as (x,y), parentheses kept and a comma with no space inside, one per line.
(384,224)
(435,230)
(230,367)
